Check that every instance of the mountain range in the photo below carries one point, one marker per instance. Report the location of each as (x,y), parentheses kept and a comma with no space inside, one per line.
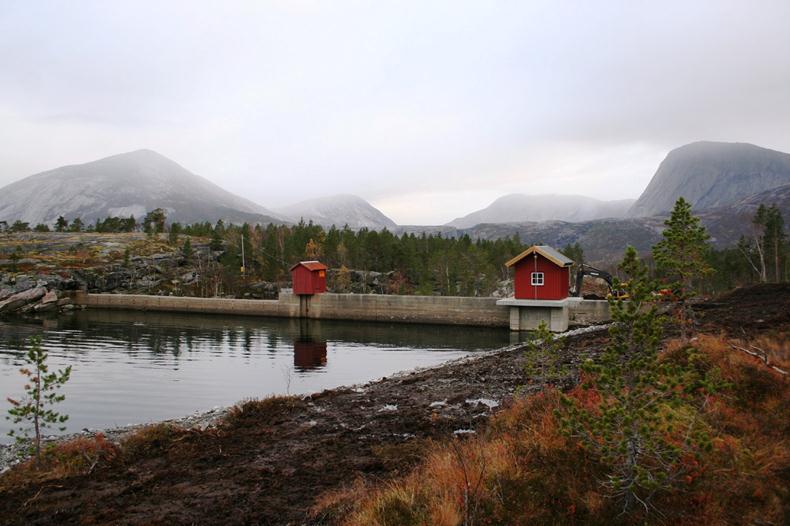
(339,210)
(725,182)
(122,185)
(520,207)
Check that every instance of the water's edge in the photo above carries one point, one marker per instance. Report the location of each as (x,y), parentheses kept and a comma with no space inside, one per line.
(12,454)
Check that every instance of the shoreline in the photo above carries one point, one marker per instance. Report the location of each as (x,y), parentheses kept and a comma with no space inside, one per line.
(10,454)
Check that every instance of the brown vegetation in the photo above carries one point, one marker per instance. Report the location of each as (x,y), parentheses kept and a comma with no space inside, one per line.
(525,470)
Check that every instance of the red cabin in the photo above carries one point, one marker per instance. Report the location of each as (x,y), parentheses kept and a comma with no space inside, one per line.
(309,277)
(542,273)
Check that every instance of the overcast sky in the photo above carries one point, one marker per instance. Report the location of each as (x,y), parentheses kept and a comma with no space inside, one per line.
(429,110)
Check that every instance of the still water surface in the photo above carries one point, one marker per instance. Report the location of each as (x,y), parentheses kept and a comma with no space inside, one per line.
(132,367)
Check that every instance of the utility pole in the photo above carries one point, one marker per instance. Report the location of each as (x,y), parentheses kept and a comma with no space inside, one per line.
(242,254)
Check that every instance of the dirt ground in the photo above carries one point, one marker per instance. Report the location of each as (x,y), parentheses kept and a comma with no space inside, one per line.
(268,464)
(758,310)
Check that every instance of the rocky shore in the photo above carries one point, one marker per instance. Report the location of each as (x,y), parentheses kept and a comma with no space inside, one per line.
(25,294)
(474,406)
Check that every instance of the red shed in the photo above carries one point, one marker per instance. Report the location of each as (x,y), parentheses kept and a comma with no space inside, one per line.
(309,277)
(542,273)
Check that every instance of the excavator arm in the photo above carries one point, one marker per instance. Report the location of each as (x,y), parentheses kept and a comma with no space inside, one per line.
(589,270)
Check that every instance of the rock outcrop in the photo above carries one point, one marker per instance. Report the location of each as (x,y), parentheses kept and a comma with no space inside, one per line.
(37,298)
(712,174)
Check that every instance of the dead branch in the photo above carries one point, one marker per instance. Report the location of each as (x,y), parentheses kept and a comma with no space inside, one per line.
(762,355)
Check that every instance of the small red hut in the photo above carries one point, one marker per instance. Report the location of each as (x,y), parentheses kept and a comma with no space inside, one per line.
(541,273)
(309,277)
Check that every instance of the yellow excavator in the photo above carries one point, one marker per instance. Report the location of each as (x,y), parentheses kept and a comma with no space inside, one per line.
(589,270)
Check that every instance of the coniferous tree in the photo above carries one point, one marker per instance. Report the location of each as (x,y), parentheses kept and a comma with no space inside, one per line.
(76,225)
(19,226)
(770,241)
(154,221)
(682,257)
(640,423)
(172,236)
(41,393)
(61,225)
(216,243)
(187,249)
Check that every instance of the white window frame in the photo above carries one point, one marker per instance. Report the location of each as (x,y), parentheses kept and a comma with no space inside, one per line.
(537,279)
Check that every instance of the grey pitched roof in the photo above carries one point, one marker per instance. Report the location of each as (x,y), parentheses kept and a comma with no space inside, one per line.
(546,251)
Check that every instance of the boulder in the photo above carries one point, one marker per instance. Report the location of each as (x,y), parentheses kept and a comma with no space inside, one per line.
(50,297)
(21,299)
(24,309)
(45,307)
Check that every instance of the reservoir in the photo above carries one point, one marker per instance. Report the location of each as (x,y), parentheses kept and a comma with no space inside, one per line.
(134,367)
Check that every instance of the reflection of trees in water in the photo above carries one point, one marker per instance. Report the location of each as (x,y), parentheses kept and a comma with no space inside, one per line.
(172,334)
(283,331)
(231,335)
(77,335)
(247,342)
(12,342)
(272,342)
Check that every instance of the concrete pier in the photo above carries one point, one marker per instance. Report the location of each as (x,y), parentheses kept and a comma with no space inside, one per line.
(527,315)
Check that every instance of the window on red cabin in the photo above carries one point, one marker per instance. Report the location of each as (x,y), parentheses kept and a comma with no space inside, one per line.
(537,279)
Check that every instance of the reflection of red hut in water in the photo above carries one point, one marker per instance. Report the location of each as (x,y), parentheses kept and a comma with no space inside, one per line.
(309,277)
(309,354)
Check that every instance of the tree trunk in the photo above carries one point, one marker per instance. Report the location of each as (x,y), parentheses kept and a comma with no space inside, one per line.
(777,271)
(761,253)
(37,413)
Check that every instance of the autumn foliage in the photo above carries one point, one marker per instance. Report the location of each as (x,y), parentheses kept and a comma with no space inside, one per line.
(526,470)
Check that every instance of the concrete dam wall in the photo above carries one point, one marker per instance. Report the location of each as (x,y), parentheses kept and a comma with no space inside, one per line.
(445,310)
(449,310)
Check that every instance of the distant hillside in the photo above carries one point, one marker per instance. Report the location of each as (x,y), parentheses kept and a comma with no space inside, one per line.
(521,208)
(604,240)
(712,174)
(339,210)
(779,196)
(122,185)
(601,239)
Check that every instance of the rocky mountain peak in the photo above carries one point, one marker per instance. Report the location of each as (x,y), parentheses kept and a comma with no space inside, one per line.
(711,174)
